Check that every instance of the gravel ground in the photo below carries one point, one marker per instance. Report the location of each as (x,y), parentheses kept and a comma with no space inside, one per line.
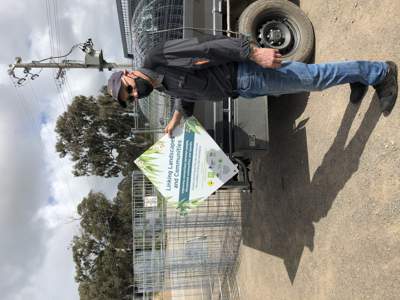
(323,220)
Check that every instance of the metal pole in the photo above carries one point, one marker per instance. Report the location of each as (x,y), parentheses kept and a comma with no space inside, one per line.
(228,27)
(153,130)
(214,11)
(68,65)
(228,16)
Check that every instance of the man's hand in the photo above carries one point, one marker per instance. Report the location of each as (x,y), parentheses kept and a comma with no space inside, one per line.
(176,119)
(266,57)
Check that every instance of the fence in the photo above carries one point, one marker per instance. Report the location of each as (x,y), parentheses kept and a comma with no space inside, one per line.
(184,257)
(149,21)
(153,22)
(175,256)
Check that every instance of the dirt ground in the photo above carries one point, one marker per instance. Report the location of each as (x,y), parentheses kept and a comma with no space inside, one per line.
(323,221)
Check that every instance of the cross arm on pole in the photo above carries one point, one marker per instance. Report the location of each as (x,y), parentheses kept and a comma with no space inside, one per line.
(93,60)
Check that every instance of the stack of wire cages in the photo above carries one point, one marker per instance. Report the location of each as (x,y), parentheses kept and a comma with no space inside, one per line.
(153,22)
(176,256)
(192,256)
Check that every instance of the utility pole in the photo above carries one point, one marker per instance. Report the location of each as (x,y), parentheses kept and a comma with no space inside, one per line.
(93,60)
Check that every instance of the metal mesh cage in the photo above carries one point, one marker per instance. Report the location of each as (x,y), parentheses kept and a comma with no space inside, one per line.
(175,256)
(152,23)
(184,257)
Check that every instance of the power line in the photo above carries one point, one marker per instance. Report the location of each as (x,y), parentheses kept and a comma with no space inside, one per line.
(21,101)
(54,36)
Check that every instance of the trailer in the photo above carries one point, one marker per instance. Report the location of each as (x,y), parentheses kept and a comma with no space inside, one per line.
(240,126)
(195,256)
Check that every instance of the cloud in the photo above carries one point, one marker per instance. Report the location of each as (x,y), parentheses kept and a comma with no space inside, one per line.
(24,190)
(51,280)
(35,259)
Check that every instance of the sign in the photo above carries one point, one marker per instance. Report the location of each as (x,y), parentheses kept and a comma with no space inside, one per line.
(187,167)
(150,201)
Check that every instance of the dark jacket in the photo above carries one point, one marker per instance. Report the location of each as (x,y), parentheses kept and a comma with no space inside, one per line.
(175,63)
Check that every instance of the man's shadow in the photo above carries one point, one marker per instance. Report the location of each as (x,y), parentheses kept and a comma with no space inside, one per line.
(278,217)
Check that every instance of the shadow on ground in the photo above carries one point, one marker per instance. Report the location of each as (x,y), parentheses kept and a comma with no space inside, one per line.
(279,217)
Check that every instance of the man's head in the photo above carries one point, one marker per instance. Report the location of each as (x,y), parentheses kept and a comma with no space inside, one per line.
(127,87)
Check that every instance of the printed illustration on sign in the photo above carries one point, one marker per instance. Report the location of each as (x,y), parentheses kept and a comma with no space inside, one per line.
(187,167)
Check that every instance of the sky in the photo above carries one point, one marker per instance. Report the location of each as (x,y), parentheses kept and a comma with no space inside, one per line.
(39,194)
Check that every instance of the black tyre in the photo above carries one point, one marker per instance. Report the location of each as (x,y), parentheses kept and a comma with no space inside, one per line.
(279,24)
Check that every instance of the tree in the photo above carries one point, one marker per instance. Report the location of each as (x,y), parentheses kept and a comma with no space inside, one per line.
(97,134)
(103,251)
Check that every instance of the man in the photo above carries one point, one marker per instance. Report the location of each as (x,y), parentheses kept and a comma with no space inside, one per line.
(212,68)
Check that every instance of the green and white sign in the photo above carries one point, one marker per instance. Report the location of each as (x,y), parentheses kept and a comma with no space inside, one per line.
(187,167)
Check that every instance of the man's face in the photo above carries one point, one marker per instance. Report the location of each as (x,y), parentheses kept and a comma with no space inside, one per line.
(128,91)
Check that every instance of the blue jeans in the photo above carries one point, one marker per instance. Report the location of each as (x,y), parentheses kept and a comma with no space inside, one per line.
(294,77)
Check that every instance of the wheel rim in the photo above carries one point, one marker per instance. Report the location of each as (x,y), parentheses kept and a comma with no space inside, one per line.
(278,32)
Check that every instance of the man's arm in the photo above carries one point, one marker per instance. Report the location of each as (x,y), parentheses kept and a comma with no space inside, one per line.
(208,51)
(194,52)
(175,121)
(181,108)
